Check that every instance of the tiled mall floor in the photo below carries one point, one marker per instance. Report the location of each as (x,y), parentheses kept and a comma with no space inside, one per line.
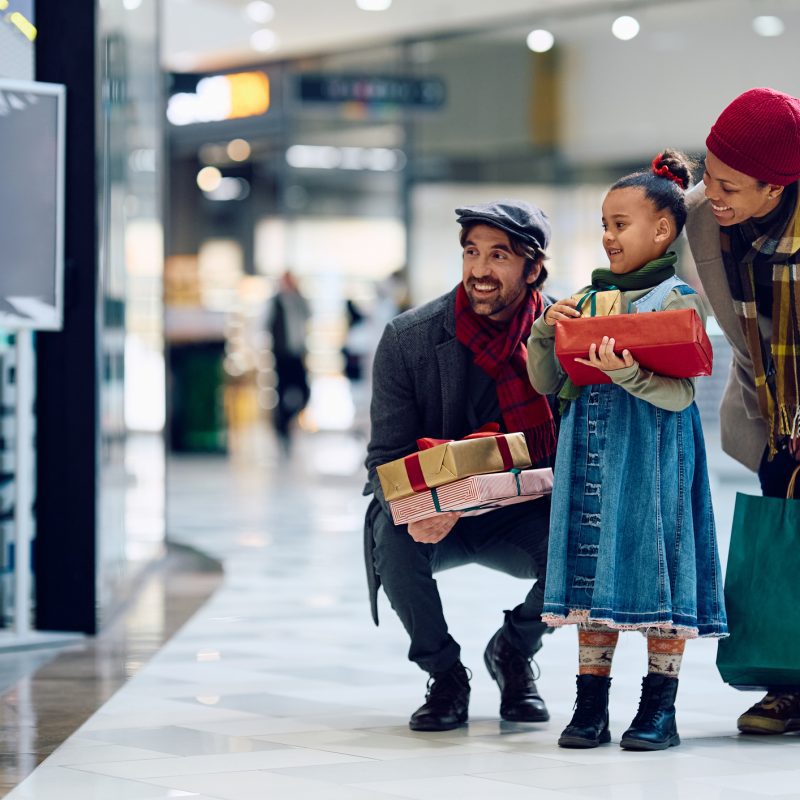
(280,686)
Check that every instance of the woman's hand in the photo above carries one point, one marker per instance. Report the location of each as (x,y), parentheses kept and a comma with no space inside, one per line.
(563,309)
(605,358)
(433,529)
(794,448)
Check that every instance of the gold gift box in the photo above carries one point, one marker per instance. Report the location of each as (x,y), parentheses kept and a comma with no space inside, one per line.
(603,304)
(450,461)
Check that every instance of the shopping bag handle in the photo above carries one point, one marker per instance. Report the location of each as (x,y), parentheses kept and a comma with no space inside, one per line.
(792,483)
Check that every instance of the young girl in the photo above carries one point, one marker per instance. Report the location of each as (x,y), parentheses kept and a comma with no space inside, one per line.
(632,540)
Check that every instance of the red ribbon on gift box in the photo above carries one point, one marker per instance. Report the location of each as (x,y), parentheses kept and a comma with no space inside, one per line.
(492,429)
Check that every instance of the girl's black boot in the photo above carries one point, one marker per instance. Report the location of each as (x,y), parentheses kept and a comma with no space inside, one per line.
(589,724)
(653,727)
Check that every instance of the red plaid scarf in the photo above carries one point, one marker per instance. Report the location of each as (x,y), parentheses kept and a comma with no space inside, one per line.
(499,350)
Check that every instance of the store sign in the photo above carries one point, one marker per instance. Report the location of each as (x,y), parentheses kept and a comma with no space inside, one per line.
(389,91)
(219,97)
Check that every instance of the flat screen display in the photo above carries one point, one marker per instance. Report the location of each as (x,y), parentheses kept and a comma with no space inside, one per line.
(31,205)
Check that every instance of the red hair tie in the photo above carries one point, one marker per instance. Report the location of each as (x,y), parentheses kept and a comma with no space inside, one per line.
(663,171)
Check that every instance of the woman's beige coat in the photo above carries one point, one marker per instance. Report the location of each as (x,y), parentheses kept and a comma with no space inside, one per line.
(743,430)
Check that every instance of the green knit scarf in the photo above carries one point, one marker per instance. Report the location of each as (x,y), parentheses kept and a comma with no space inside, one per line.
(651,274)
(646,277)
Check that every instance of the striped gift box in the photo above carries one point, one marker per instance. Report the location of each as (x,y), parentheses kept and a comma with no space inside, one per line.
(477,494)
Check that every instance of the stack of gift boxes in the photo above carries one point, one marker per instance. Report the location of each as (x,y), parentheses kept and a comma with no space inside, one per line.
(480,473)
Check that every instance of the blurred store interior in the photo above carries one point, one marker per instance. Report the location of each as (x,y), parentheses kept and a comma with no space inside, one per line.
(216,151)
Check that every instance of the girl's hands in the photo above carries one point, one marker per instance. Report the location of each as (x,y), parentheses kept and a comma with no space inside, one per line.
(604,357)
(563,309)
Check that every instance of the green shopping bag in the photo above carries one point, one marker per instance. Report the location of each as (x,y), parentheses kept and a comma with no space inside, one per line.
(761,594)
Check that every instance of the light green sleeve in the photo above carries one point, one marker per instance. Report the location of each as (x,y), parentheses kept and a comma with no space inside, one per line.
(671,394)
(544,371)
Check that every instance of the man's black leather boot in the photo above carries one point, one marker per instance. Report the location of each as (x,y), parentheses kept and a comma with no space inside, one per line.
(446,703)
(520,700)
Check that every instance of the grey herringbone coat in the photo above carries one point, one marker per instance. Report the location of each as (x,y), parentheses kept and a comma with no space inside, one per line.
(420,385)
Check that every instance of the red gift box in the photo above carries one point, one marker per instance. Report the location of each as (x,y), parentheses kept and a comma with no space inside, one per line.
(670,343)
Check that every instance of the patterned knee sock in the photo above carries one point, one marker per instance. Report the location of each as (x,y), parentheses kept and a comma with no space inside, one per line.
(664,654)
(596,645)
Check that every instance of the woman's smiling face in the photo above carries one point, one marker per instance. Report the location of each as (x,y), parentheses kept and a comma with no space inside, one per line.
(734,196)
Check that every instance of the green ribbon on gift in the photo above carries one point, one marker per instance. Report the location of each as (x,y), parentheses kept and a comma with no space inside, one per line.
(437,505)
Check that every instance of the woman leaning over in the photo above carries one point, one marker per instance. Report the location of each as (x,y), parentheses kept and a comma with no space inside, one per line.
(744,230)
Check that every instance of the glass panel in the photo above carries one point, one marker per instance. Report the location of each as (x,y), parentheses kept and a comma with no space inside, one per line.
(132,391)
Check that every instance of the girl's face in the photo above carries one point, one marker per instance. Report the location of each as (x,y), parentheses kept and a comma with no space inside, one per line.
(734,196)
(634,232)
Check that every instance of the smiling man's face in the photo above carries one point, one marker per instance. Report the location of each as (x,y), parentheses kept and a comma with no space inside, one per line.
(493,274)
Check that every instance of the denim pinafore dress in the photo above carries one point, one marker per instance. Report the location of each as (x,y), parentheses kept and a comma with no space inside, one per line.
(632,536)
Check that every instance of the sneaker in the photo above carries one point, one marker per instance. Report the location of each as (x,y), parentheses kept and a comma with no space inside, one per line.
(776,713)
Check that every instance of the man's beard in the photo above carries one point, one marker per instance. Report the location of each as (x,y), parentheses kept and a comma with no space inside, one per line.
(498,302)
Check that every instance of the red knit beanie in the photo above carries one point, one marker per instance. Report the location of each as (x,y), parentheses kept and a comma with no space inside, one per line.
(759,134)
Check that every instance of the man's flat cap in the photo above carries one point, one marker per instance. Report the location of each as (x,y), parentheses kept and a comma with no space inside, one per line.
(513,216)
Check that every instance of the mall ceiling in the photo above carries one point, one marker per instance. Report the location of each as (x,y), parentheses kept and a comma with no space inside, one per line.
(205,35)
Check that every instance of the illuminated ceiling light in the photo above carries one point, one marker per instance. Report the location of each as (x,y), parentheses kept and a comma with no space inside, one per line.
(375,159)
(540,41)
(264,40)
(260,12)
(625,28)
(131,5)
(238,150)
(373,5)
(313,156)
(209,179)
(768,26)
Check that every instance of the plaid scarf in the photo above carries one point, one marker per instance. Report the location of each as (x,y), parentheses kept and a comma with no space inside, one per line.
(776,366)
(500,351)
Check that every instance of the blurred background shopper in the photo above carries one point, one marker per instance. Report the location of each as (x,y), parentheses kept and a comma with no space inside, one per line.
(287,318)
(744,231)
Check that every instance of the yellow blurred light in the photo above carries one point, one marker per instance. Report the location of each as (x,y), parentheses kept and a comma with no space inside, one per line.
(3,5)
(27,28)
(209,178)
(249,94)
(238,150)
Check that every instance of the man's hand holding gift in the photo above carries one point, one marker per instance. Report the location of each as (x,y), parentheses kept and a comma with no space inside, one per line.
(433,529)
